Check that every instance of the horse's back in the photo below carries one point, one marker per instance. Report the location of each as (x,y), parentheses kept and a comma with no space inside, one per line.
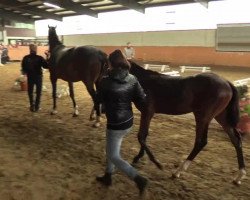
(209,83)
(88,51)
(79,63)
(180,95)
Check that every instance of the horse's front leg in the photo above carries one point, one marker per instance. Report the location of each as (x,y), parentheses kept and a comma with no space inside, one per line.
(142,136)
(54,86)
(92,114)
(72,96)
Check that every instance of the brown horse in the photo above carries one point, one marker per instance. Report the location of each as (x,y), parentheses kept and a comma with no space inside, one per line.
(83,63)
(207,95)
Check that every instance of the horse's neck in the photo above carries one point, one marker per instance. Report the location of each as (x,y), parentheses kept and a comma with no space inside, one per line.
(54,44)
(139,71)
(54,49)
(56,54)
(54,41)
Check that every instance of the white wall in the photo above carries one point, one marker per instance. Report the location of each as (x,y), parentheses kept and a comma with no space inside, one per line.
(205,38)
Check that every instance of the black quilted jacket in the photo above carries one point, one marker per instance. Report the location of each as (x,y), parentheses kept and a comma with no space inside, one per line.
(117,91)
(32,65)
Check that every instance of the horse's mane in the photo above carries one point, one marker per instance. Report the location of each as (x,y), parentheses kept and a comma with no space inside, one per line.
(53,38)
(142,73)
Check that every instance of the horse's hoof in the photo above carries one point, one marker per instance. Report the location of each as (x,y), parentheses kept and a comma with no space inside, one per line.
(91,118)
(175,175)
(54,112)
(76,114)
(135,161)
(97,124)
(241,175)
(236,182)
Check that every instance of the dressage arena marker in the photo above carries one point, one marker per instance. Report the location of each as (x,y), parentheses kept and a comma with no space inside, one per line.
(162,68)
(242,82)
(172,73)
(191,68)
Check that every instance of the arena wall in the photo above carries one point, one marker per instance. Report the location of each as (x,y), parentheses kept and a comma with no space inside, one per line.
(194,47)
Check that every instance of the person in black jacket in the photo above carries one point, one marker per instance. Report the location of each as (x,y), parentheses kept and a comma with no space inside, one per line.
(32,67)
(117,91)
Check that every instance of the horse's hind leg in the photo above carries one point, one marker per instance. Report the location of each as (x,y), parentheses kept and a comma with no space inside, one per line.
(200,143)
(235,138)
(92,92)
(72,96)
(54,85)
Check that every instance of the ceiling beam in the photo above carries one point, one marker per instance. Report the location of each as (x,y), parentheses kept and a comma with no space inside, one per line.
(131,4)
(14,16)
(203,2)
(24,7)
(170,3)
(76,7)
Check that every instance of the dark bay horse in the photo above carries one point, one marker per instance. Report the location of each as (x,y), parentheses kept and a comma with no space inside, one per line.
(83,63)
(206,95)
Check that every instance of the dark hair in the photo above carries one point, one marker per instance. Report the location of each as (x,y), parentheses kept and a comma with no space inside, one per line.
(117,60)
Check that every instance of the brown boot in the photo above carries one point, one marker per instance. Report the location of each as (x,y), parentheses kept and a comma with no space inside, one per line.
(141,183)
(105,179)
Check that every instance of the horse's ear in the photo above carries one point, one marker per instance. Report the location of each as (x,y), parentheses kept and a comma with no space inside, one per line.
(48,26)
(55,26)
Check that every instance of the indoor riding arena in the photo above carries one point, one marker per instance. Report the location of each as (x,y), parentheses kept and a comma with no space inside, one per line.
(57,156)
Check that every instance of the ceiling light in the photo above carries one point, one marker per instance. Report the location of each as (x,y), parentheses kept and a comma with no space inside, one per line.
(51,5)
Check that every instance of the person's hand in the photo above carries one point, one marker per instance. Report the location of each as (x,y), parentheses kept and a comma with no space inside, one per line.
(46,53)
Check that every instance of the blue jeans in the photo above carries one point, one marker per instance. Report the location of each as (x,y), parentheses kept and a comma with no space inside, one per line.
(113,145)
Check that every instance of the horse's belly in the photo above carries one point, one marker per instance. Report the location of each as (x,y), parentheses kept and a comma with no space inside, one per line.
(173,109)
(69,79)
(72,76)
(173,112)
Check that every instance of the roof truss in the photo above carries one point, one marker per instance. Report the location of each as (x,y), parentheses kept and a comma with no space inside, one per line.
(16,17)
(25,10)
(131,4)
(76,7)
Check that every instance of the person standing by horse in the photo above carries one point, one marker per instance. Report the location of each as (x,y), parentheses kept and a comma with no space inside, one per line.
(117,91)
(129,51)
(31,66)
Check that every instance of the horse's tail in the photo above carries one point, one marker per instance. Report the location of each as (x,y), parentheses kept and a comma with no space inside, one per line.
(233,109)
(104,63)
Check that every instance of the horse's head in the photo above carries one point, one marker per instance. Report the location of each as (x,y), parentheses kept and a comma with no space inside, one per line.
(53,37)
(118,60)
(52,29)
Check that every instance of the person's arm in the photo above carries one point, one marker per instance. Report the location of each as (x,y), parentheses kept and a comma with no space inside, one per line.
(125,52)
(99,93)
(133,53)
(23,68)
(44,63)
